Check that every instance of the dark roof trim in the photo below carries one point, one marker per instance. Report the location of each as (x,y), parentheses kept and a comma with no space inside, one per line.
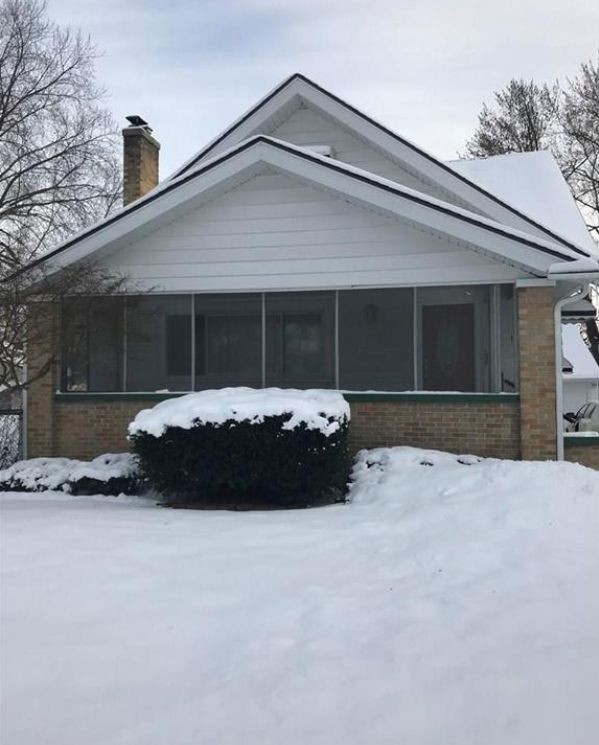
(325,163)
(390,133)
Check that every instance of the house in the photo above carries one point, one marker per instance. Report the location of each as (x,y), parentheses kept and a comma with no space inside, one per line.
(580,371)
(310,246)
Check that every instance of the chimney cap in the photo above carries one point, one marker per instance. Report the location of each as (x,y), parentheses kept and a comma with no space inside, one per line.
(136,121)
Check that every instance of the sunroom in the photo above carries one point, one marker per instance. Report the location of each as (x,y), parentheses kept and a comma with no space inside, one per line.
(458,338)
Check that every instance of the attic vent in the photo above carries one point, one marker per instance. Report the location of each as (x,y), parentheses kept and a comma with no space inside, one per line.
(326,150)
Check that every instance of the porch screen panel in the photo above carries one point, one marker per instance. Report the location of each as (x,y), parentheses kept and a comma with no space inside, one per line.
(376,340)
(228,341)
(300,339)
(507,339)
(158,343)
(454,338)
(92,354)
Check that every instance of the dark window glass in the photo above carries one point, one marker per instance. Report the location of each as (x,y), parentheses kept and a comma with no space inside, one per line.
(93,345)
(300,339)
(228,340)
(376,340)
(178,351)
(455,338)
(158,343)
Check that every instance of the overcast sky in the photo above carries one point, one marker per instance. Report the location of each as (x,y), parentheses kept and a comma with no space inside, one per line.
(422,67)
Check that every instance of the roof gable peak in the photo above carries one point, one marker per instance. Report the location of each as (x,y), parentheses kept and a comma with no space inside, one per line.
(281,101)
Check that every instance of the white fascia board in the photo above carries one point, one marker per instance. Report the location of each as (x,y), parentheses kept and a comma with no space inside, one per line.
(399,149)
(244,126)
(496,240)
(153,214)
(347,182)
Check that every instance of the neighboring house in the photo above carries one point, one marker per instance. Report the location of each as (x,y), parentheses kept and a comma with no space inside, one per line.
(310,246)
(580,370)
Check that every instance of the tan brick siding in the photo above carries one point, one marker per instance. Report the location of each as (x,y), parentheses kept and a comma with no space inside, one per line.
(87,429)
(140,163)
(90,428)
(489,429)
(586,455)
(537,373)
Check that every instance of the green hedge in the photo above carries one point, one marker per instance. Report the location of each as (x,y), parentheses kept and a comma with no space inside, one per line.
(243,465)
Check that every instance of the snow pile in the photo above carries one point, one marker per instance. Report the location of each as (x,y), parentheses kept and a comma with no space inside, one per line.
(318,409)
(453,602)
(43,474)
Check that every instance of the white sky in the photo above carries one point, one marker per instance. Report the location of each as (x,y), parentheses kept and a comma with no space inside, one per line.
(423,68)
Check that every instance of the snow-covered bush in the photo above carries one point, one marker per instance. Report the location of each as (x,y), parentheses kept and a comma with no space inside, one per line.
(241,447)
(107,474)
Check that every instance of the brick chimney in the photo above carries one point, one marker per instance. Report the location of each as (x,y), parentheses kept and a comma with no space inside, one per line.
(140,159)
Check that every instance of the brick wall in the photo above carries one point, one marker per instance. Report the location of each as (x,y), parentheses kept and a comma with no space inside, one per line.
(585,454)
(89,428)
(536,335)
(489,429)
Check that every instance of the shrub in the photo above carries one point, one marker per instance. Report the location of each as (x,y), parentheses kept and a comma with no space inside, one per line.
(241,448)
(107,474)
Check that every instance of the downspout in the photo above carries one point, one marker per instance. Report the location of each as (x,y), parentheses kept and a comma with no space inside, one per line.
(559,386)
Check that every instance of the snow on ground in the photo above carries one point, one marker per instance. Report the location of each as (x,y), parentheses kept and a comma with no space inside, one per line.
(447,604)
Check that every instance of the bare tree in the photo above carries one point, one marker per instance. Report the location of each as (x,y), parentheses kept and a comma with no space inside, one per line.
(524,118)
(579,153)
(59,170)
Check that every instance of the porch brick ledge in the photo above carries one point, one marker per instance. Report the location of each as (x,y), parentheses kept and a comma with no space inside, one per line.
(357,396)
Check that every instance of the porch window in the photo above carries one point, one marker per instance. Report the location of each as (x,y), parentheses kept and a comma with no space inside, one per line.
(458,338)
(300,340)
(92,331)
(228,341)
(158,343)
(376,340)
(455,338)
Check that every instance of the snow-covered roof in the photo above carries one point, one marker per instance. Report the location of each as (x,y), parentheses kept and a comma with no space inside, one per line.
(534,184)
(578,355)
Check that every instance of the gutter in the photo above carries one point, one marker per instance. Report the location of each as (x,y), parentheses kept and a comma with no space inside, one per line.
(580,291)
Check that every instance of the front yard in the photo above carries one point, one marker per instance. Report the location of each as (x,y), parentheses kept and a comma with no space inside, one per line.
(448,603)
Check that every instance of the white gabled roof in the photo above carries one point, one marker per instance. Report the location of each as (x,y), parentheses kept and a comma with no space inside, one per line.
(529,253)
(298,90)
(534,183)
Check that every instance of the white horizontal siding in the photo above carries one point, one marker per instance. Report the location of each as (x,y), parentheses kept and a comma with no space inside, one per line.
(274,232)
(307,127)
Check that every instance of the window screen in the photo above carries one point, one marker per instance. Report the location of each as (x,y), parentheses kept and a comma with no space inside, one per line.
(454,325)
(300,339)
(228,340)
(93,345)
(158,343)
(376,340)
